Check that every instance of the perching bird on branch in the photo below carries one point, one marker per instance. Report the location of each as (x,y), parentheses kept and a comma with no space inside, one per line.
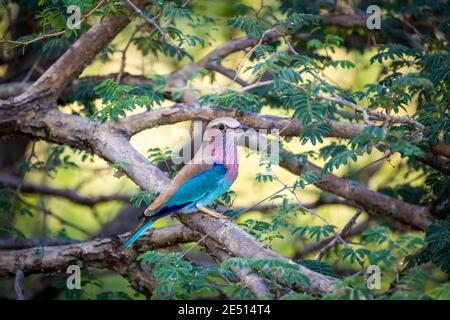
(207,176)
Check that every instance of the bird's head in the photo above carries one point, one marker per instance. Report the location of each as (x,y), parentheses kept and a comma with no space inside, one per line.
(220,139)
(222,127)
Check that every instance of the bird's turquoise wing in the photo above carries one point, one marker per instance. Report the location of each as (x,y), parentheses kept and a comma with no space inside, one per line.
(206,185)
(194,189)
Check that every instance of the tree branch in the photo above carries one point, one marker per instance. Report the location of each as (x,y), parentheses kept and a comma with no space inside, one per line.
(356,230)
(69,194)
(254,283)
(18,284)
(110,141)
(287,126)
(339,237)
(100,253)
(8,243)
(82,52)
(371,201)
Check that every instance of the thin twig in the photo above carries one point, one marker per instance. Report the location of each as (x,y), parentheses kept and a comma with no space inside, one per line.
(241,64)
(124,54)
(149,20)
(19,186)
(55,216)
(343,234)
(55,34)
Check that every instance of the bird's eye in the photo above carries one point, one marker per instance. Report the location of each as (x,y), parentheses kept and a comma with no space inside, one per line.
(221,127)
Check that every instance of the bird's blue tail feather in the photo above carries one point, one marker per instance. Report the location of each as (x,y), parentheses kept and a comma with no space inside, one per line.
(165,211)
(138,233)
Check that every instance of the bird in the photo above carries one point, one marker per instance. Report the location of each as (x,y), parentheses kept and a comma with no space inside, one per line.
(208,175)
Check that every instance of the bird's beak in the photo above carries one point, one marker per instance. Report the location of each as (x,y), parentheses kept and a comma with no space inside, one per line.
(243,127)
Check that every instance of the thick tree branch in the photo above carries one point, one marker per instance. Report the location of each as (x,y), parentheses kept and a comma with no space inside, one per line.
(257,285)
(18,284)
(286,126)
(70,65)
(9,243)
(371,201)
(350,190)
(100,253)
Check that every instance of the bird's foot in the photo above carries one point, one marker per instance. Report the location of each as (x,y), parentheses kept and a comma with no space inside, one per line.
(211,213)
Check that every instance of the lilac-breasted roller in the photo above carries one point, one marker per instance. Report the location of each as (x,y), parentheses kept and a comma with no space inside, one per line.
(207,176)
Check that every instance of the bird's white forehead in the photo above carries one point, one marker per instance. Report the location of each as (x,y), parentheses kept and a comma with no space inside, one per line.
(227,121)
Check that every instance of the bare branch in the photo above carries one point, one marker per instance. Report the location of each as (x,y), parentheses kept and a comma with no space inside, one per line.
(356,230)
(371,201)
(83,51)
(342,235)
(101,253)
(183,112)
(124,55)
(70,194)
(9,243)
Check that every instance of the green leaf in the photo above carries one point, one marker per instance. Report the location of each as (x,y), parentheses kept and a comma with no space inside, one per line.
(317,232)
(137,198)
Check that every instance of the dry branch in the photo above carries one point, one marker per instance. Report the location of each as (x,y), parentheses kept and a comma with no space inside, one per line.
(70,65)
(100,253)
(309,248)
(69,194)
(184,112)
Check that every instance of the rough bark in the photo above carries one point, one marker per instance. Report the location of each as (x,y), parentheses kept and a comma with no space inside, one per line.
(103,253)
(371,201)
(287,126)
(83,51)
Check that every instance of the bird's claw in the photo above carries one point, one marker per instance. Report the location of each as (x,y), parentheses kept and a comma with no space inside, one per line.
(211,213)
